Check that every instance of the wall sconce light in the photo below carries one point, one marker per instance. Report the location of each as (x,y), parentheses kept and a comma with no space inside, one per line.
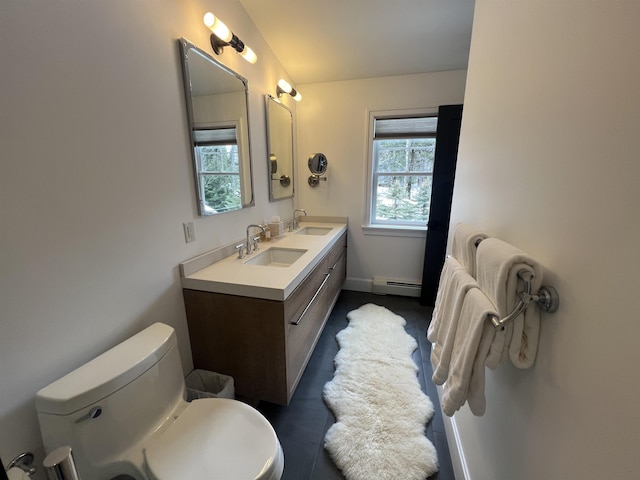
(221,37)
(285,87)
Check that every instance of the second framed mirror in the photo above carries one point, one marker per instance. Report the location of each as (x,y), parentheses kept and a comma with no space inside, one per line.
(280,149)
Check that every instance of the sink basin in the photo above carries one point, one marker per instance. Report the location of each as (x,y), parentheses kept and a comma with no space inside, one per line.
(276,257)
(313,231)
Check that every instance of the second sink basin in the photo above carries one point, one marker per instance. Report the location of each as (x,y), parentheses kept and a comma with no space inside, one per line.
(276,257)
(313,231)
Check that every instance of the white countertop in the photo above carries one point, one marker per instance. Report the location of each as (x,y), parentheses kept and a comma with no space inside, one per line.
(235,276)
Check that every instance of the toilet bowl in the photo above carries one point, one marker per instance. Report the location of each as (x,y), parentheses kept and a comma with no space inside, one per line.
(125,416)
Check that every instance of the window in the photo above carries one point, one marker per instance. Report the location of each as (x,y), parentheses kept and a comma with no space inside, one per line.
(402,152)
(216,152)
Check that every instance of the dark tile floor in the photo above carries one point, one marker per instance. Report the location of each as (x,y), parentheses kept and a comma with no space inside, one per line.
(301,426)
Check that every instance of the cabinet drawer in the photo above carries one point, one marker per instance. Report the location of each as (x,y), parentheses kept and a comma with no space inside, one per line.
(337,251)
(305,320)
(295,305)
(338,272)
(302,337)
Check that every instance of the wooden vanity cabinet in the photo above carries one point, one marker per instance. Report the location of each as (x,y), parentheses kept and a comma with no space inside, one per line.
(265,344)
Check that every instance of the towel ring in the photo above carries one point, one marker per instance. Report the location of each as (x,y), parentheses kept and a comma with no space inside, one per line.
(547,299)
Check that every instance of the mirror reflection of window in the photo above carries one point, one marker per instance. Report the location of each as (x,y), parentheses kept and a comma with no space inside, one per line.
(216,151)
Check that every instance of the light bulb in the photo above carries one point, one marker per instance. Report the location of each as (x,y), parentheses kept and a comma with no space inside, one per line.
(209,19)
(249,55)
(297,97)
(285,86)
(219,29)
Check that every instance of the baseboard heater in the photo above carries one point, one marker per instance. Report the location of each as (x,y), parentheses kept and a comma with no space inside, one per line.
(390,286)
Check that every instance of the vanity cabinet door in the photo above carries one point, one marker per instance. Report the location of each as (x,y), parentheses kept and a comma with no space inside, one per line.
(241,337)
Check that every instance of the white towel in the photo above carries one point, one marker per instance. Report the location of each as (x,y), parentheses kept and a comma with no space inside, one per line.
(472,344)
(454,283)
(497,267)
(451,265)
(463,247)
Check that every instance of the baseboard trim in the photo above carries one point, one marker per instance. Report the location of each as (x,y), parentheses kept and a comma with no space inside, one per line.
(459,463)
(358,285)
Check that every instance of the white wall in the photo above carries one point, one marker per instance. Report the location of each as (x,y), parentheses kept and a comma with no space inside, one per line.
(96,181)
(333,119)
(548,161)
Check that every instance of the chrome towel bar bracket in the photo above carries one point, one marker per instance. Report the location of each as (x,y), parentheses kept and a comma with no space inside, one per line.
(24,462)
(547,299)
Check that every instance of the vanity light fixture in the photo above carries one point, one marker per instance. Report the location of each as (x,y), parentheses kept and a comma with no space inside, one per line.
(285,87)
(221,37)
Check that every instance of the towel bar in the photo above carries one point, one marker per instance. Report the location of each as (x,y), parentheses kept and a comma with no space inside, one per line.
(547,299)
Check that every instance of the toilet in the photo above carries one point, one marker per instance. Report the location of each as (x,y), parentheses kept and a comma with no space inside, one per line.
(125,416)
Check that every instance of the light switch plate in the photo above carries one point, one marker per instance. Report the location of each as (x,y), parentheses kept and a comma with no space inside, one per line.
(189,232)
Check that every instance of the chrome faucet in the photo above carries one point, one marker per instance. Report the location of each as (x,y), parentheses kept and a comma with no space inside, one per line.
(295,219)
(248,247)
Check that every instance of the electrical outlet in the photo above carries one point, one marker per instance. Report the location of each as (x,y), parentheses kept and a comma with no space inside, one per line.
(189,232)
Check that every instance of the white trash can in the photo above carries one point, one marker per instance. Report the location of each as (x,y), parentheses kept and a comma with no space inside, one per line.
(206,384)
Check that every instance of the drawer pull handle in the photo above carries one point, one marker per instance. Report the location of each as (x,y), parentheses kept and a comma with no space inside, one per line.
(326,277)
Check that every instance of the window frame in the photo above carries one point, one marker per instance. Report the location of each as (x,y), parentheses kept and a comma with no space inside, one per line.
(370,226)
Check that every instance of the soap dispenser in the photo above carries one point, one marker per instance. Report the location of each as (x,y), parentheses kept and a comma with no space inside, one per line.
(267,232)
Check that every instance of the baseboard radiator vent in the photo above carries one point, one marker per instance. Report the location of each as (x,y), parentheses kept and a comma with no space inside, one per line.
(391,286)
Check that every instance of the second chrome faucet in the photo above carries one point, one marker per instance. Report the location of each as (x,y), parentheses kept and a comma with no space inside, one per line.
(295,219)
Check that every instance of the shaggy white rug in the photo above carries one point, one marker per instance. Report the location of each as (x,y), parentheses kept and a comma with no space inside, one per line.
(380,410)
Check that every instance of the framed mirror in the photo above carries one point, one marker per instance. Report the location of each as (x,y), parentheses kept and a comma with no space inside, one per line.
(218,116)
(280,149)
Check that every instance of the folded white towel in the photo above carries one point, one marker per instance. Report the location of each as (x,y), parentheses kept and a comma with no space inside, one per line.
(472,344)
(454,283)
(450,266)
(497,267)
(464,245)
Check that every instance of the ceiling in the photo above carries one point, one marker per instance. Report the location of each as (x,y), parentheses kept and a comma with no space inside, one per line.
(331,40)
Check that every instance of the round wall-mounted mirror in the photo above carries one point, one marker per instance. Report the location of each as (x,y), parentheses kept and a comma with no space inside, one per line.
(318,163)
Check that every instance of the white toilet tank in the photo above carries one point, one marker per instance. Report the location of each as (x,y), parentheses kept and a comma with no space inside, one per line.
(117,401)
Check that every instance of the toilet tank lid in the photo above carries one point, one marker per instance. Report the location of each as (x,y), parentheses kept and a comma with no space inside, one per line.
(106,373)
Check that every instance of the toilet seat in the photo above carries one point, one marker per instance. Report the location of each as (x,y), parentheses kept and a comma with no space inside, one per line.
(216,438)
